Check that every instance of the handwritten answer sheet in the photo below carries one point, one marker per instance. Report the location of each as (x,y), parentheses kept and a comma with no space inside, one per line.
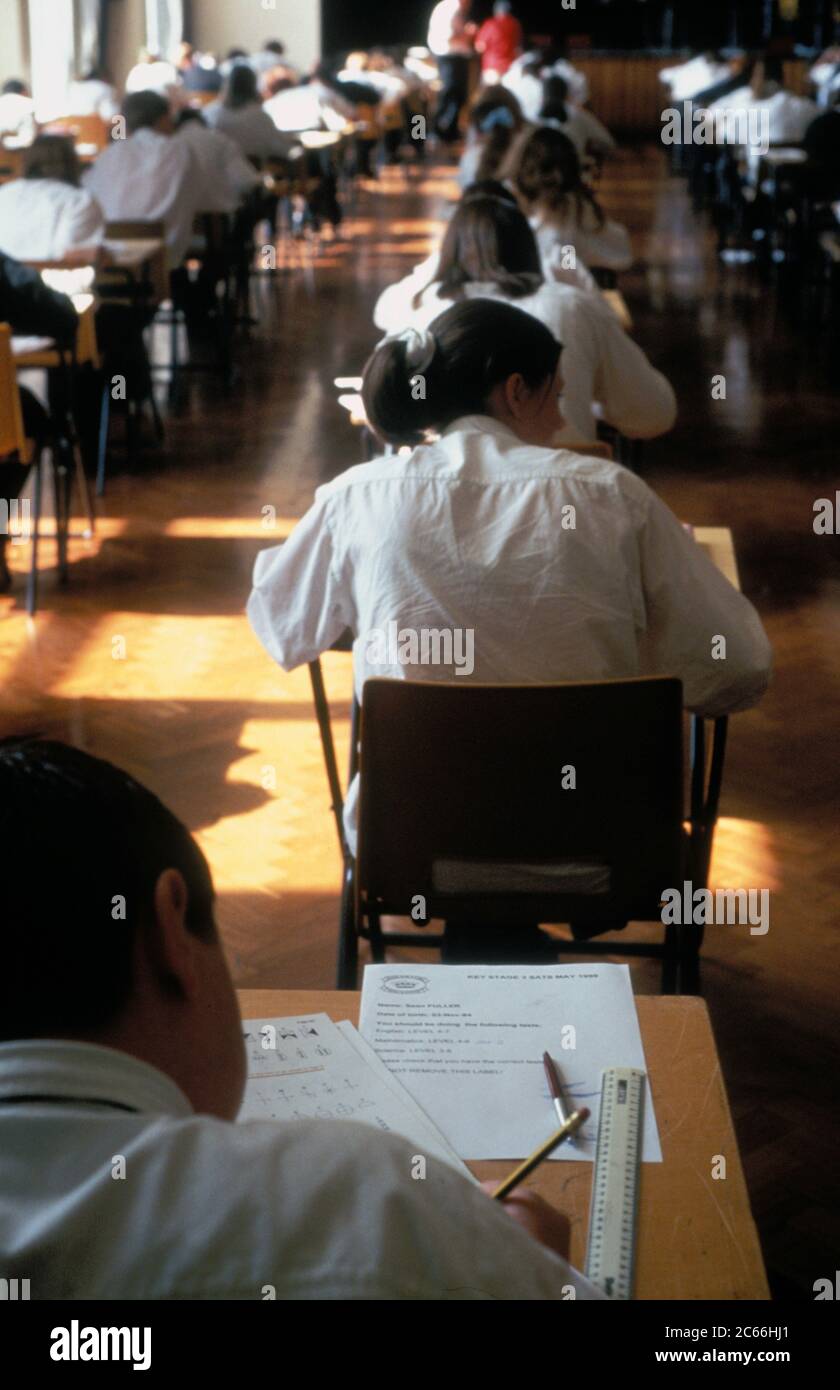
(468,1040)
(309,1068)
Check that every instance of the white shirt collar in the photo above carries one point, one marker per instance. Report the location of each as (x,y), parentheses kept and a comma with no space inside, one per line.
(86,1072)
(482,424)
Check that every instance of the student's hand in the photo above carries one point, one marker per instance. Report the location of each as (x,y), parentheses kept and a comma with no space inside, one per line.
(547,1225)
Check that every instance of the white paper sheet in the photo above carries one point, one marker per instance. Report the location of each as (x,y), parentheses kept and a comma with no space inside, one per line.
(306,1068)
(467,1041)
(421,1119)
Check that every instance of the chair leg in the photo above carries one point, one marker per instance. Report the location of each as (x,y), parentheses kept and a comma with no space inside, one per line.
(102,443)
(377,940)
(348,939)
(32,583)
(61,493)
(669,962)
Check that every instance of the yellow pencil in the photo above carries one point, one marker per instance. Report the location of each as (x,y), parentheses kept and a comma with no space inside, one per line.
(573,1124)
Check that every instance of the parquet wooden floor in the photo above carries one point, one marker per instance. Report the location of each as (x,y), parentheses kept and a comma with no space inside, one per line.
(190,703)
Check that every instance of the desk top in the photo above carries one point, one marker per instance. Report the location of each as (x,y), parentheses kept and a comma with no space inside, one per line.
(697,1237)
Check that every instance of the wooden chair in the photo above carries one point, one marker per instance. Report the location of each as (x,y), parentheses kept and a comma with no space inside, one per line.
(485,829)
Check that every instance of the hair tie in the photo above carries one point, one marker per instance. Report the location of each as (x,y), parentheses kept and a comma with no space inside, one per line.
(420,347)
(500,117)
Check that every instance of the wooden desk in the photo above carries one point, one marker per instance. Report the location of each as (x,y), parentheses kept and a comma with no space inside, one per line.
(31,353)
(616,301)
(697,1237)
(719,546)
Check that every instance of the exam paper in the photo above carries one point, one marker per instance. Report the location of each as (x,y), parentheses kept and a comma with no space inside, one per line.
(467,1041)
(306,1068)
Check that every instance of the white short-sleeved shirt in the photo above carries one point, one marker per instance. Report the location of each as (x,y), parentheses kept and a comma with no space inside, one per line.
(468,533)
(601,363)
(150,177)
(443,29)
(92,98)
(310,1209)
(45,219)
(697,75)
(226,173)
(251,127)
(606,246)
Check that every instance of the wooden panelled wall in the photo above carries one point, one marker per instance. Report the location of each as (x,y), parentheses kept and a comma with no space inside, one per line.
(627,95)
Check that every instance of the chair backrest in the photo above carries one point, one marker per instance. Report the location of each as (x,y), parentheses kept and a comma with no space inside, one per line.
(540,803)
(12,434)
(134,229)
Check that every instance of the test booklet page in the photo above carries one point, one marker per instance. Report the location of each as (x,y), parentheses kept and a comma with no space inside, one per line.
(467,1042)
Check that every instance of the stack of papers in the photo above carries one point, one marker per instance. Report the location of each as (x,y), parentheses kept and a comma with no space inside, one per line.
(309,1068)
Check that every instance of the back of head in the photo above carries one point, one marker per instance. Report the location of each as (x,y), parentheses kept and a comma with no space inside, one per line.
(495,118)
(555,97)
(468,351)
(274,46)
(88,845)
(545,170)
(241,87)
(14,88)
(143,111)
(489,188)
(489,242)
(189,116)
(52,157)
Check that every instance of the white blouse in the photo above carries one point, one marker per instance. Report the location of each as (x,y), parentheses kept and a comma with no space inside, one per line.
(44,219)
(600,363)
(468,533)
(606,247)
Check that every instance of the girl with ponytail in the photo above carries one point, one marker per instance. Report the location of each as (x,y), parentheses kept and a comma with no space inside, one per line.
(538,564)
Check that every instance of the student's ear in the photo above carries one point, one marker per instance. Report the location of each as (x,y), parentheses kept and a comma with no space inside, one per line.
(516,394)
(169,943)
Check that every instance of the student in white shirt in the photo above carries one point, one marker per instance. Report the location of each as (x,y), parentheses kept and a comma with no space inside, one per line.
(271,55)
(120,1034)
(467,532)
(524,78)
(150,176)
(567,270)
(489,252)
(240,115)
(17,111)
(92,95)
(544,169)
(227,174)
(494,121)
(153,74)
(685,80)
(451,39)
(46,215)
(590,138)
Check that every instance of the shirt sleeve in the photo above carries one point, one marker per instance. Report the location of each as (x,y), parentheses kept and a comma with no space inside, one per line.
(636,398)
(85,222)
(690,607)
(298,606)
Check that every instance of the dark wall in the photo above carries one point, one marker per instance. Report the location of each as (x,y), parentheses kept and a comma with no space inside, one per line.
(611,24)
